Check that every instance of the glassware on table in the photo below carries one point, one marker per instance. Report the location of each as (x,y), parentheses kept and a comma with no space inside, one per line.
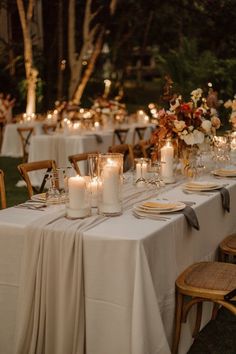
(221,151)
(110,180)
(141,169)
(78,205)
(93,182)
(53,195)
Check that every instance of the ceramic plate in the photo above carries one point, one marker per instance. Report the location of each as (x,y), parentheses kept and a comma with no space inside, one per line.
(159,207)
(201,186)
(225,172)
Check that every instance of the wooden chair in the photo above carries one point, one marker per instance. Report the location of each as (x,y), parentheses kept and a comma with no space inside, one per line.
(204,281)
(120,135)
(75,159)
(127,151)
(25,168)
(227,249)
(138,134)
(25,135)
(49,128)
(2,190)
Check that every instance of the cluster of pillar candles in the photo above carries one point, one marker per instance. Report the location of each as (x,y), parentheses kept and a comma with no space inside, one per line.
(102,189)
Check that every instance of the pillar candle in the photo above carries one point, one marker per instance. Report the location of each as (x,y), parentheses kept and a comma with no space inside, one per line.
(167,166)
(78,198)
(141,170)
(110,201)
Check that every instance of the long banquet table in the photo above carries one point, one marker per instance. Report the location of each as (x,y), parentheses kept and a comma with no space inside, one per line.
(11,145)
(129,270)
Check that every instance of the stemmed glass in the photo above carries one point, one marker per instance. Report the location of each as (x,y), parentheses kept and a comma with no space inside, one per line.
(53,194)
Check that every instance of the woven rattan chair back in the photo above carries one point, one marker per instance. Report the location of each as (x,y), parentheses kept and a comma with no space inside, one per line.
(227,249)
(2,190)
(25,134)
(77,158)
(127,151)
(120,136)
(49,128)
(204,281)
(25,168)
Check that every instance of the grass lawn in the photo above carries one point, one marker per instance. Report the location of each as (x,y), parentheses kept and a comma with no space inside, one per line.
(15,195)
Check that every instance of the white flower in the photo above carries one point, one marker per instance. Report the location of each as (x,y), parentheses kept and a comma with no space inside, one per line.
(228,104)
(190,128)
(196,94)
(206,125)
(179,125)
(189,139)
(198,136)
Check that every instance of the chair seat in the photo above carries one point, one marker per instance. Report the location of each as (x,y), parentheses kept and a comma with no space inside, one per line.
(204,281)
(228,245)
(209,278)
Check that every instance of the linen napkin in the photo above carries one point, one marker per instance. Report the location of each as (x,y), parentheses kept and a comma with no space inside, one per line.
(191,217)
(225,197)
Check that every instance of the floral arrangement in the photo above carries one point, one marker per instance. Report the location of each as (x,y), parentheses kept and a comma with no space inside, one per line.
(231,104)
(189,122)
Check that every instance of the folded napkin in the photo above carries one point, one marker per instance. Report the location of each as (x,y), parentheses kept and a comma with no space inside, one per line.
(191,217)
(225,197)
(99,139)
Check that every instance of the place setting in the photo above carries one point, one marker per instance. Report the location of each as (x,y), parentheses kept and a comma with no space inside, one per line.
(208,188)
(161,210)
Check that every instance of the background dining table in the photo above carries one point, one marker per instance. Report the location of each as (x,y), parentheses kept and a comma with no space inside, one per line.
(129,267)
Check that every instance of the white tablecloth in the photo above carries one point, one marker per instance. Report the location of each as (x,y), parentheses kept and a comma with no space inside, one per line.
(130,267)
(59,146)
(11,145)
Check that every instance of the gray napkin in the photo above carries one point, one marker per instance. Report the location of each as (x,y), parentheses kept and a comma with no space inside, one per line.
(99,139)
(225,197)
(191,217)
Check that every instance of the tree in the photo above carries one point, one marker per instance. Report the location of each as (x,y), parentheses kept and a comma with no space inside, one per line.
(93,31)
(30,70)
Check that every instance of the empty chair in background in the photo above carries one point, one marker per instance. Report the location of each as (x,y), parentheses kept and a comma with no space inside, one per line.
(25,134)
(25,168)
(49,128)
(138,134)
(120,136)
(127,151)
(77,158)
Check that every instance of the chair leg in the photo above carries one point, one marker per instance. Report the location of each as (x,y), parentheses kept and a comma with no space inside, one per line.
(214,311)
(178,320)
(198,320)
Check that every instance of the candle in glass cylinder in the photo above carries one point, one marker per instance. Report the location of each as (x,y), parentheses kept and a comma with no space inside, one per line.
(141,169)
(167,163)
(78,205)
(110,191)
(93,187)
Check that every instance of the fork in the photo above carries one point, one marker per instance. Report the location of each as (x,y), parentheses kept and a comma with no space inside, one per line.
(154,217)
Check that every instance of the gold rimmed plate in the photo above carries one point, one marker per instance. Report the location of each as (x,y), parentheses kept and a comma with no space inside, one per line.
(201,186)
(159,208)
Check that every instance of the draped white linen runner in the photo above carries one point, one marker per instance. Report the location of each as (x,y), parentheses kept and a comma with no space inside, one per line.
(51,296)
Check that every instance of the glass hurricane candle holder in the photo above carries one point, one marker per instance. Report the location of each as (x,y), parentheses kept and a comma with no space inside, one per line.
(94,181)
(168,161)
(78,205)
(110,179)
